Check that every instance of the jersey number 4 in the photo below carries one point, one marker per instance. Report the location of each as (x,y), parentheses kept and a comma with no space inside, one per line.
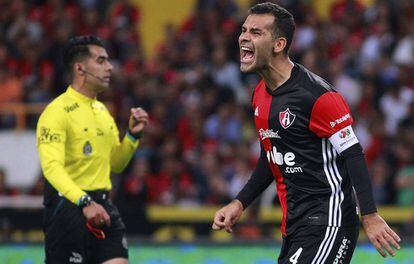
(294,258)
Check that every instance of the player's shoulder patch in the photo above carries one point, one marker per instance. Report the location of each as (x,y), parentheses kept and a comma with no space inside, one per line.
(47,135)
(343,139)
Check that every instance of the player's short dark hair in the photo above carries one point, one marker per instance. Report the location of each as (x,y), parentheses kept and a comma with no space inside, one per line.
(284,24)
(77,49)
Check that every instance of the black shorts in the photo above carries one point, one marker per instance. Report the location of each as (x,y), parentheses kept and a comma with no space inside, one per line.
(316,244)
(67,239)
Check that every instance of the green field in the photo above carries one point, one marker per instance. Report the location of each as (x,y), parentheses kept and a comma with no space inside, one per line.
(197,254)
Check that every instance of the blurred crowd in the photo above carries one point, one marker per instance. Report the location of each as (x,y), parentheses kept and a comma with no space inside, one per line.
(201,146)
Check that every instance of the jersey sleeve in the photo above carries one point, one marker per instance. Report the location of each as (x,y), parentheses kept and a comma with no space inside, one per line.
(260,179)
(331,118)
(51,138)
(358,173)
(122,151)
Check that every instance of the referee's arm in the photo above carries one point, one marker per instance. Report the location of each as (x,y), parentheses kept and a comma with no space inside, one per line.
(51,138)
(123,151)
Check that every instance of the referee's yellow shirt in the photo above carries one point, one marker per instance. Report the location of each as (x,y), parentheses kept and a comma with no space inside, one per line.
(78,145)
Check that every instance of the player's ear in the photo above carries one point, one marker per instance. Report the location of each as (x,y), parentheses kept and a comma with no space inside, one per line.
(78,68)
(279,45)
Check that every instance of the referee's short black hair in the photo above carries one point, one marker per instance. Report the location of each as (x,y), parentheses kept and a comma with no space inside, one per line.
(77,49)
(284,24)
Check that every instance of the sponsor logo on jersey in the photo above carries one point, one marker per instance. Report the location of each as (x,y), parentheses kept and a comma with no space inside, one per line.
(287,159)
(340,120)
(46,136)
(286,118)
(71,107)
(256,111)
(268,133)
(290,170)
(99,132)
(279,158)
(344,133)
(342,251)
(75,258)
(346,136)
(87,148)
(343,139)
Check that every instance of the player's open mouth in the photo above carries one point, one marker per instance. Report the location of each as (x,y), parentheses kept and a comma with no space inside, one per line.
(246,55)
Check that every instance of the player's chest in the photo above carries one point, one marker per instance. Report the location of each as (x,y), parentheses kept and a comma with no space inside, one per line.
(278,117)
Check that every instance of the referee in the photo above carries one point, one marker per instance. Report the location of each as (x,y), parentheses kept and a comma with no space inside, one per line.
(78,145)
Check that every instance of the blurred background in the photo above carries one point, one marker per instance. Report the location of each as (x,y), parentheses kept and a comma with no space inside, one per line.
(178,59)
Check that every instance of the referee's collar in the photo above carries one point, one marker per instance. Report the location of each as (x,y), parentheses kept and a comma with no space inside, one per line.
(79,96)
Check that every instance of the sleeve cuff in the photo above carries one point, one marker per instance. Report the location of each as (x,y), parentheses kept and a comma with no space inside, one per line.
(79,196)
(132,137)
(370,211)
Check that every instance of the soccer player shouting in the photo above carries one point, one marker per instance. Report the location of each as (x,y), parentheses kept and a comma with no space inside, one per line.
(308,147)
(78,145)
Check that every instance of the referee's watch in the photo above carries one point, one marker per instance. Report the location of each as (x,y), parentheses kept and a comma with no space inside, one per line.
(84,201)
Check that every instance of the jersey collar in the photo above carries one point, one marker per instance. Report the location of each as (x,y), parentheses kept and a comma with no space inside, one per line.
(289,82)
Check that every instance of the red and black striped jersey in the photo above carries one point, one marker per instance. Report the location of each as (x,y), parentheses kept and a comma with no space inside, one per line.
(303,126)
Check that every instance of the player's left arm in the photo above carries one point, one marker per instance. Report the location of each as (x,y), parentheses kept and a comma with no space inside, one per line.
(331,118)
(377,230)
(123,151)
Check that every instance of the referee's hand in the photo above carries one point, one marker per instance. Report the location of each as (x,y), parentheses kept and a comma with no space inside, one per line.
(96,214)
(227,216)
(380,234)
(138,120)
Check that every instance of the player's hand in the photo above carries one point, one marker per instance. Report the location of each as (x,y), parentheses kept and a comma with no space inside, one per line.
(138,120)
(227,216)
(380,234)
(96,214)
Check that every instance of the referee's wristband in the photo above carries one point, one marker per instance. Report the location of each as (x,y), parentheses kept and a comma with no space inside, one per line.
(135,136)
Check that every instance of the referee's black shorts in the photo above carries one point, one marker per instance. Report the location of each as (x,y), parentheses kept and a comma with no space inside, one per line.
(318,244)
(67,239)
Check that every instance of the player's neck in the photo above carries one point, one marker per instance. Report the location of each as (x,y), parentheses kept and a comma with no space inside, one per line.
(82,87)
(277,73)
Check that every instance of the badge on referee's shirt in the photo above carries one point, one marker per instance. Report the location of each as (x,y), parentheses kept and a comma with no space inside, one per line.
(87,148)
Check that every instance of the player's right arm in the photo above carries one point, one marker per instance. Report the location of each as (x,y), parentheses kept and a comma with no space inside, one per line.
(51,134)
(260,179)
